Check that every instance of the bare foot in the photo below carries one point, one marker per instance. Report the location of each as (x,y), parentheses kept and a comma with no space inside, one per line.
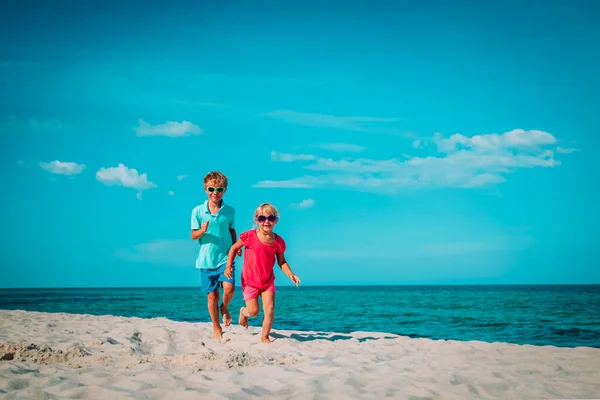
(267,340)
(243,320)
(226,316)
(218,333)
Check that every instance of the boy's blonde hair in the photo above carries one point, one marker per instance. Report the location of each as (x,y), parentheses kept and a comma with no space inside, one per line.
(217,177)
(268,207)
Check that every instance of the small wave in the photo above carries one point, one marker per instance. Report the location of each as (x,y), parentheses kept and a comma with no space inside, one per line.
(576,332)
(489,324)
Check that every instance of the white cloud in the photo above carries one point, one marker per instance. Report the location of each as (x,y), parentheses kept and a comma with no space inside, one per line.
(359,124)
(21,162)
(169,128)
(304,204)
(564,150)
(62,168)
(461,162)
(171,193)
(126,177)
(299,183)
(417,144)
(340,147)
(517,138)
(166,252)
(285,157)
(181,177)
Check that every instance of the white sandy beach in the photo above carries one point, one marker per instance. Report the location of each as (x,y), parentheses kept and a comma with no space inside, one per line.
(47,356)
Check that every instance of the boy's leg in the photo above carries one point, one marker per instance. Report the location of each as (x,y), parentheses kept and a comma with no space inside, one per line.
(213,310)
(228,290)
(209,281)
(268,299)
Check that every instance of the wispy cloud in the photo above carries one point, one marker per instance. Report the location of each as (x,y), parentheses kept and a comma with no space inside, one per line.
(460,162)
(286,157)
(63,168)
(307,203)
(126,177)
(165,252)
(339,147)
(171,193)
(566,150)
(181,177)
(298,183)
(169,128)
(359,124)
(517,138)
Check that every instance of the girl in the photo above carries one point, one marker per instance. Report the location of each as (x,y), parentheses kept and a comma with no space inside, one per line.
(262,246)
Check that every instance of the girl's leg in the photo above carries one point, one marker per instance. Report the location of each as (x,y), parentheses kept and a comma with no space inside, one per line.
(251,310)
(268,299)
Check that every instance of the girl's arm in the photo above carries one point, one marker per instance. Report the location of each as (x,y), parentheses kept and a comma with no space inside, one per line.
(285,267)
(234,249)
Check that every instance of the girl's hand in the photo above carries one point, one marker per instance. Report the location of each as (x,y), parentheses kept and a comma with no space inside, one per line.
(295,279)
(229,272)
(239,252)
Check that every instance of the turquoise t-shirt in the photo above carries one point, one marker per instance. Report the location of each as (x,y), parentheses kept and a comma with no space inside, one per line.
(216,242)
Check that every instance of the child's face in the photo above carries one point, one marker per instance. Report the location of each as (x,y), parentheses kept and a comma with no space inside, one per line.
(266,221)
(215,190)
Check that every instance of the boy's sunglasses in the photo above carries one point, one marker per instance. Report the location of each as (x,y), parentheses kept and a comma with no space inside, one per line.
(217,189)
(262,218)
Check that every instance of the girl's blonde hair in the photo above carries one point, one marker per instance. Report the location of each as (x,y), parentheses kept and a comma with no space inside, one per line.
(266,207)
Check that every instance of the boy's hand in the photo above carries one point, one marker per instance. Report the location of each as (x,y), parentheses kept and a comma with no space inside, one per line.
(229,272)
(295,279)
(204,227)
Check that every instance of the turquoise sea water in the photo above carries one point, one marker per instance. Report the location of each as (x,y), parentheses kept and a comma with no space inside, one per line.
(559,315)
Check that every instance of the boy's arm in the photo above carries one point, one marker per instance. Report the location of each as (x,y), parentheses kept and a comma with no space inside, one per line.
(237,246)
(198,233)
(198,230)
(233,233)
(233,239)
(285,267)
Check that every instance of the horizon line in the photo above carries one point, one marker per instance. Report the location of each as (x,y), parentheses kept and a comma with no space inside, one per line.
(311,286)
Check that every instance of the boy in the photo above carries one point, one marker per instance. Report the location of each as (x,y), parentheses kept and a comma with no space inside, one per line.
(213,227)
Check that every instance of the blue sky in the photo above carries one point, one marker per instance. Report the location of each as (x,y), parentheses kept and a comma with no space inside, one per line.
(403,142)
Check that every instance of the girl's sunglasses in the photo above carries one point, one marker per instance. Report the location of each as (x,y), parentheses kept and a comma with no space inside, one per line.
(217,189)
(262,218)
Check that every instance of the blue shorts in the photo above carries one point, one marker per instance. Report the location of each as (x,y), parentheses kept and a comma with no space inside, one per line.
(211,279)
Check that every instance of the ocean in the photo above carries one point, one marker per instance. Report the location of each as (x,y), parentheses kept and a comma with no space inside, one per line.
(556,315)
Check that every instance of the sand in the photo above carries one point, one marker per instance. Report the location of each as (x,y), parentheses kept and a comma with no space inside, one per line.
(55,355)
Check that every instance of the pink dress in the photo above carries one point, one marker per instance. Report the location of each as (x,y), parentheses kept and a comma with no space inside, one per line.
(259,260)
